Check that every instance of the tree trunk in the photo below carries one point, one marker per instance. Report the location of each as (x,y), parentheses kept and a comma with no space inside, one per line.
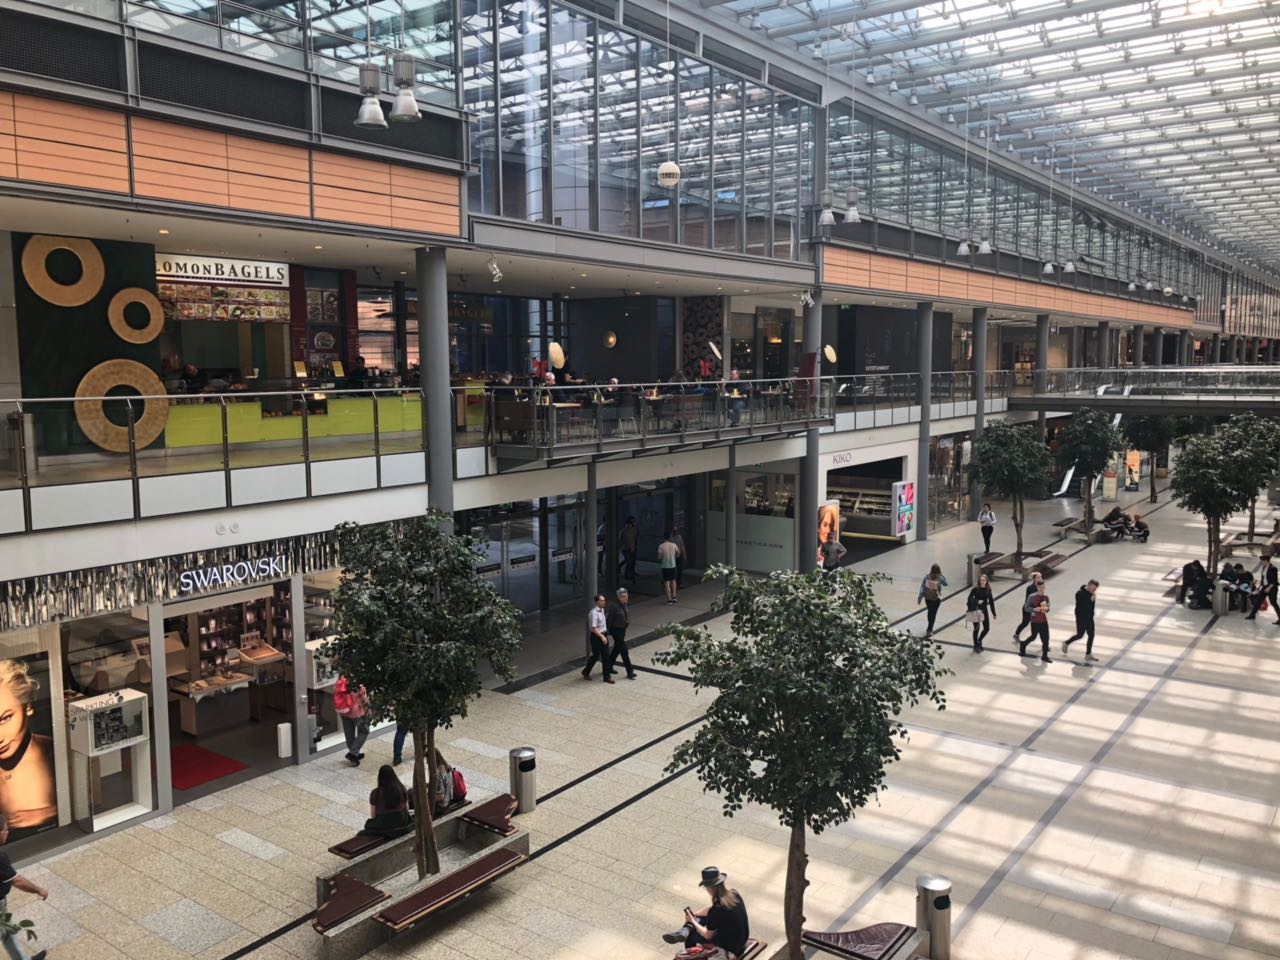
(428,856)
(1088,504)
(1213,546)
(1017,525)
(793,897)
(1253,515)
(1154,457)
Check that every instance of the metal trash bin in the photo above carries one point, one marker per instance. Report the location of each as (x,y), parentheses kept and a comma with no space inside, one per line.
(1221,598)
(523,763)
(933,913)
(975,570)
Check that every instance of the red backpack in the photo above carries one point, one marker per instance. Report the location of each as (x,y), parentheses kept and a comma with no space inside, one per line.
(459,785)
(345,703)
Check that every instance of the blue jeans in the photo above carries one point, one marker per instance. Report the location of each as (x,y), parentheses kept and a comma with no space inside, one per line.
(397,745)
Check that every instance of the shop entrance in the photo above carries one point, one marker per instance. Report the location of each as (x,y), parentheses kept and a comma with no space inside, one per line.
(533,551)
(230,671)
(865,496)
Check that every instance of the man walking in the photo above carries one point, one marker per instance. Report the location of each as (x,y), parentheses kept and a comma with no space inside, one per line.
(1037,610)
(678,540)
(1037,581)
(1086,598)
(619,618)
(832,552)
(10,878)
(1268,579)
(629,541)
(668,556)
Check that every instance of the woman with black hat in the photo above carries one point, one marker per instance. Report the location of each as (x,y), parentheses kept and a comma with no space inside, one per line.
(723,923)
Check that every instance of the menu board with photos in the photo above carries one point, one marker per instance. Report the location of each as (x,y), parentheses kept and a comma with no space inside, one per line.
(221,301)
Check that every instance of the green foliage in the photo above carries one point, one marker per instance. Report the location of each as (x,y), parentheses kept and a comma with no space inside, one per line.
(1150,434)
(1009,460)
(1253,444)
(414,620)
(809,692)
(1204,481)
(11,928)
(1089,441)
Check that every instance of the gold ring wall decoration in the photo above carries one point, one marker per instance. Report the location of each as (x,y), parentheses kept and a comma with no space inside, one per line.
(155,315)
(92,417)
(35,269)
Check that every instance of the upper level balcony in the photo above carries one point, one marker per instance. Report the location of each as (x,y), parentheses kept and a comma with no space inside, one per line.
(86,460)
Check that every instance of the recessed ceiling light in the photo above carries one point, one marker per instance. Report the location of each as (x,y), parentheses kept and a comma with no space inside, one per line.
(582,274)
(404,273)
(719,288)
(746,291)
(163,232)
(572,287)
(319,246)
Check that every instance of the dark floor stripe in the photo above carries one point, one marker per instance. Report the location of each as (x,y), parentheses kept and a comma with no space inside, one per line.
(1069,791)
(601,818)
(663,673)
(276,934)
(617,760)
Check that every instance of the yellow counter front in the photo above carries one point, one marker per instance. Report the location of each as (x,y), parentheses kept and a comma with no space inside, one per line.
(200,424)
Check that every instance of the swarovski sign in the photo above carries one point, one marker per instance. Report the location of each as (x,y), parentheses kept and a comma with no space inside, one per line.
(224,575)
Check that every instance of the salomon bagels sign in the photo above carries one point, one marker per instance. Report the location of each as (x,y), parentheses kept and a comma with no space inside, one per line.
(224,575)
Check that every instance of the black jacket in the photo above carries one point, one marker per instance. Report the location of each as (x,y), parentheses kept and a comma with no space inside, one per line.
(981,599)
(1084,605)
(618,618)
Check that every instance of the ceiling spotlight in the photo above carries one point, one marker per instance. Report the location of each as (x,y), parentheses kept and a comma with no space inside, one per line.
(1185,298)
(404,109)
(871,78)
(827,218)
(494,270)
(1133,287)
(963,249)
(370,115)
(984,249)
(851,209)
(1048,268)
(1069,267)
(163,232)
(913,99)
(951,117)
(1149,286)
(806,299)
(893,86)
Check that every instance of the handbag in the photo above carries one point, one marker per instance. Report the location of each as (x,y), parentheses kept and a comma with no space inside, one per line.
(974,616)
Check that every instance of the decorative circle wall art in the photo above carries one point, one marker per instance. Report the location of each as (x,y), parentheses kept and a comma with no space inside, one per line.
(35,270)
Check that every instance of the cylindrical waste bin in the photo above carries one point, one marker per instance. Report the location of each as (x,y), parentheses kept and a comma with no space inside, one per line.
(284,740)
(933,913)
(974,570)
(1221,598)
(524,778)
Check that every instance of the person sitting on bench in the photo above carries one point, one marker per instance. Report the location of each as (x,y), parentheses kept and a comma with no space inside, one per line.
(389,806)
(723,923)
(1114,523)
(1141,529)
(1229,580)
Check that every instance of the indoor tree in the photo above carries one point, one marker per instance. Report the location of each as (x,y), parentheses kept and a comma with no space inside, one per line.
(809,688)
(1011,462)
(413,620)
(1152,435)
(1254,445)
(1089,441)
(1204,481)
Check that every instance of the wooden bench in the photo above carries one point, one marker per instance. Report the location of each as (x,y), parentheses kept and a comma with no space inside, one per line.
(493,815)
(416,907)
(752,949)
(1173,576)
(1063,525)
(1240,541)
(991,562)
(347,897)
(364,842)
(880,941)
(1045,564)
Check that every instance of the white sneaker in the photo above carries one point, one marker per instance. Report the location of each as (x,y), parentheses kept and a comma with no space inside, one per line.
(1091,658)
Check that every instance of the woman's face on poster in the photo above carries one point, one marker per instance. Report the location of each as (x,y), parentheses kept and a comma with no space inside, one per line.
(13,721)
(826,523)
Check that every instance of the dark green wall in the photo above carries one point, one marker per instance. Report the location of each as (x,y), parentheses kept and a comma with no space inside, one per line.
(57,346)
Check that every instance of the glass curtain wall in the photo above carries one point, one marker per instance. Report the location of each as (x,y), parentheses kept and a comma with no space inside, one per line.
(587,111)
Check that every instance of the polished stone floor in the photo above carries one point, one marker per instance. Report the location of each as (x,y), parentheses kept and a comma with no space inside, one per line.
(1083,811)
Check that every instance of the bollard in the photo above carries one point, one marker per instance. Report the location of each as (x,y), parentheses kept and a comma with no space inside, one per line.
(933,914)
(523,762)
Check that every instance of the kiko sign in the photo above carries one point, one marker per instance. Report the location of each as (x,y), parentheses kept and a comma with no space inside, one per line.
(221,576)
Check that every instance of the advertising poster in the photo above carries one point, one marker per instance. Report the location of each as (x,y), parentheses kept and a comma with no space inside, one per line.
(904,507)
(828,524)
(28,794)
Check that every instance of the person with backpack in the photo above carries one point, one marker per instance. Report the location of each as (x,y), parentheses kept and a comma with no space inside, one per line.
(352,707)
(1037,610)
(1268,581)
(931,587)
(1037,580)
(452,786)
(981,607)
(987,523)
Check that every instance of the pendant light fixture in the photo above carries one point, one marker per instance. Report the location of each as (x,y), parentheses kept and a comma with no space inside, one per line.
(826,196)
(1070,265)
(669,170)
(826,218)
(962,250)
(984,229)
(1047,270)
(404,71)
(851,211)
(370,115)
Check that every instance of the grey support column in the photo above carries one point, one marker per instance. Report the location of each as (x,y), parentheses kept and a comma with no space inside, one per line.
(1157,347)
(1184,348)
(1253,350)
(1215,349)
(1104,344)
(731,508)
(1233,350)
(924,341)
(1138,337)
(301,708)
(160,717)
(433,360)
(810,474)
(589,520)
(1040,376)
(979,396)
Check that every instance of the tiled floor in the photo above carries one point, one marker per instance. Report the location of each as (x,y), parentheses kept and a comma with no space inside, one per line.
(1083,812)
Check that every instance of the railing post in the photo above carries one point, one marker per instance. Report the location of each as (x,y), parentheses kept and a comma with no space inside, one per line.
(377,445)
(422,409)
(133,460)
(306,443)
(226,451)
(24,476)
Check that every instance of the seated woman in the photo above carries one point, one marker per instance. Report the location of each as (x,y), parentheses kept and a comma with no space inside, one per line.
(1141,529)
(389,806)
(446,794)
(723,923)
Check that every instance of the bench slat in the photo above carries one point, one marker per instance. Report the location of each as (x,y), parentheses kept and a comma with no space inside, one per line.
(350,897)
(880,941)
(403,914)
(494,815)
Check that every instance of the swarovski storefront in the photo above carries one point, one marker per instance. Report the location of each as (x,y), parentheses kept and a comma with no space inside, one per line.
(140,686)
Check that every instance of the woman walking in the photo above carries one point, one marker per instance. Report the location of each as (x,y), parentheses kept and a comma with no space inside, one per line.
(987,520)
(982,610)
(930,594)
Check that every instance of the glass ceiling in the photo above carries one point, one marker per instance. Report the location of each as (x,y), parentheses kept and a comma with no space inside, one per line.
(1163,106)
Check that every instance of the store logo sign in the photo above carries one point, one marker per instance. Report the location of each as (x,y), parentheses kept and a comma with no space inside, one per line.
(172,266)
(232,574)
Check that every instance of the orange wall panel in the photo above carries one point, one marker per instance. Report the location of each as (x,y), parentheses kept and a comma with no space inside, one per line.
(69,145)
(8,146)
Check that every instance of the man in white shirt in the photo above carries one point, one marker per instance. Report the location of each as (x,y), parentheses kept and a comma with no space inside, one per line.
(599,636)
(668,556)
(678,540)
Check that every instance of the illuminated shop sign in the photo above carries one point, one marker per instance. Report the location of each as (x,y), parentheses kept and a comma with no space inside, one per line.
(223,575)
(173,266)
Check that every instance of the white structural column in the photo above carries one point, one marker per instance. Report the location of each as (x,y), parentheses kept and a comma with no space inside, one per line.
(924,338)
(433,364)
